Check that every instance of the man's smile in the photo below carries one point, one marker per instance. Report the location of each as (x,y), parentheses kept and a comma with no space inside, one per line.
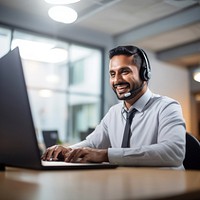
(121,88)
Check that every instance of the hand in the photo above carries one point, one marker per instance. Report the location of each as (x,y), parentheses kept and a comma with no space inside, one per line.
(55,153)
(86,154)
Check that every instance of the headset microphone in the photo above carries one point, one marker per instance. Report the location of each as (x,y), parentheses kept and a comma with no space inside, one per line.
(127,94)
(134,91)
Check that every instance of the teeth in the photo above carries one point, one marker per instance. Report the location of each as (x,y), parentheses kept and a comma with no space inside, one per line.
(121,87)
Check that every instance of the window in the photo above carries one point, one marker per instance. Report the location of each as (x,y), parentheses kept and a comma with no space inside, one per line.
(5,38)
(63,82)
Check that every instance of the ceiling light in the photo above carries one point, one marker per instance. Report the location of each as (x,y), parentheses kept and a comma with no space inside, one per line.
(57,55)
(63,14)
(196,75)
(61,1)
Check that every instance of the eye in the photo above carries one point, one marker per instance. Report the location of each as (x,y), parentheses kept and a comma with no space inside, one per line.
(112,74)
(125,71)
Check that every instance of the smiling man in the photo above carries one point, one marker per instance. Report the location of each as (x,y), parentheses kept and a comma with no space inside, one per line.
(144,129)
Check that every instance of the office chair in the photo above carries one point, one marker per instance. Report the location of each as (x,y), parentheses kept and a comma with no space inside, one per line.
(84,134)
(192,155)
(50,137)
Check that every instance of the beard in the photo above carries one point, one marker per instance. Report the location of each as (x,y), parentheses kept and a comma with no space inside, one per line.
(133,92)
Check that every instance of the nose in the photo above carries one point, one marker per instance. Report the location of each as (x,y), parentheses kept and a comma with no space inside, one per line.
(117,78)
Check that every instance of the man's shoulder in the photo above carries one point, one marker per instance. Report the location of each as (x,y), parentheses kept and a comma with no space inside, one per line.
(163,101)
(117,106)
(163,98)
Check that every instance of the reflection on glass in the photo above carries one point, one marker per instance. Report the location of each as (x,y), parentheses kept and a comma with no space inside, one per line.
(84,113)
(85,70)
(49,111)
(45,75)
(64,84)
(5,37)
(40,51)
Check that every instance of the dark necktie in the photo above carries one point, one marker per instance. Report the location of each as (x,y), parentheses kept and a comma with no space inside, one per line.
(127,130)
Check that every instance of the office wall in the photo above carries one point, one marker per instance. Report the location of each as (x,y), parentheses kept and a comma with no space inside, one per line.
(172,81)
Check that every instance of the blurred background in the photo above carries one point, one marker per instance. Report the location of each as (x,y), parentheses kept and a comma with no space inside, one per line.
(65,59)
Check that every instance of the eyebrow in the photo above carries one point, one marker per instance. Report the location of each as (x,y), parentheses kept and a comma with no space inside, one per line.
(121,68)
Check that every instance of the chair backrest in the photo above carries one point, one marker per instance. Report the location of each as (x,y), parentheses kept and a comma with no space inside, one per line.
(192,156)
(50,137)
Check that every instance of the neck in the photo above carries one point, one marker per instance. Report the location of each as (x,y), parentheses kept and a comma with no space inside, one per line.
(128,103)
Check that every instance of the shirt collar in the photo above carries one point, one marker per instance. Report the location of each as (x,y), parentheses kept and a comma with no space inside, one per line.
(140,103)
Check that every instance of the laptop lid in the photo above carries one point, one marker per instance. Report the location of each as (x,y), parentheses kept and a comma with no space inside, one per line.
(17,132)
(19,146)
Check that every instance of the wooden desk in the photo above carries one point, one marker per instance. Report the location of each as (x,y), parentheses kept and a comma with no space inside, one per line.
(113,184)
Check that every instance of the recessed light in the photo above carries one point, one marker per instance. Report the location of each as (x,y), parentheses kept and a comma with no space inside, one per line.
(61,1)
(56,55)
(196,75)
(63,14)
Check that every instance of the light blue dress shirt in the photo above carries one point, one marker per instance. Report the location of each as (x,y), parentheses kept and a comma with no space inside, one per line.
(158,133)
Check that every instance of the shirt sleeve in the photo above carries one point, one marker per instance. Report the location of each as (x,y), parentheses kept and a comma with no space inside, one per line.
(169,151)
(98,139)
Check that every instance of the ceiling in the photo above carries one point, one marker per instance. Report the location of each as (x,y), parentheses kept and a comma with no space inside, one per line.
(171,28)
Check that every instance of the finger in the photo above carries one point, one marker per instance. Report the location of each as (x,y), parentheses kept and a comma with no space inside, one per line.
(69,155)
(85,159)
(48,154)
(56,152)
(59,152)
(73,155)
(78,155)
(44,156)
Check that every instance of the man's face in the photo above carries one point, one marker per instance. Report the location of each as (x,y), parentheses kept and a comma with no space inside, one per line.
(124,75)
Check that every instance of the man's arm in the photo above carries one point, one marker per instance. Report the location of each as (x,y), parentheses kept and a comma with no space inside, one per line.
(81,154)
(86,154)
(169,148)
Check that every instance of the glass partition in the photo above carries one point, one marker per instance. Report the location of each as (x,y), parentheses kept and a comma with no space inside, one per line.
(5,39)
(63,81)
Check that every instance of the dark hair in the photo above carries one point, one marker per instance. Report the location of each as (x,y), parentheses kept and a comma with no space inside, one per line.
(128,51)
(140,59)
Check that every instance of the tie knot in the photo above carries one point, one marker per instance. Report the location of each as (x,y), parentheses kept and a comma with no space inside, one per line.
(131,114)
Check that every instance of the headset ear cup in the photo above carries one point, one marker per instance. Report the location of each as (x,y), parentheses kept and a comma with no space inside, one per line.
(145,70)
(145,74)
(148,74)
(142,74)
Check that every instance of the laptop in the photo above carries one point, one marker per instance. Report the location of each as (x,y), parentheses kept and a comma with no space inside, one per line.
(50,137)
(19,145)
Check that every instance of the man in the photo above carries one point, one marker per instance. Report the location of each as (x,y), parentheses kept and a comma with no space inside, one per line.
(155,129)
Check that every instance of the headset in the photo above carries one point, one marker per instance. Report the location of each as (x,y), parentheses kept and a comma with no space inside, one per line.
(145,73)
(145,69)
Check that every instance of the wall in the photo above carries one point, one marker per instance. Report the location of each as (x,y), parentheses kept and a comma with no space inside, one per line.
(195,105)
(172,81)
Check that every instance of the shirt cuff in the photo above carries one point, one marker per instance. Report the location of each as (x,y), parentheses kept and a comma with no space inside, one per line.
(115,155)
